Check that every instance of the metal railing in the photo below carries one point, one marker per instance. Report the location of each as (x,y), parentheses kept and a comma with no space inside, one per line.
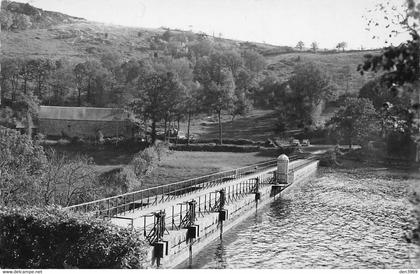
(208,202)
(145,198)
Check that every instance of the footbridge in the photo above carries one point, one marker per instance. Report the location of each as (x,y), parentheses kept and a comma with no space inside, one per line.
(181,217)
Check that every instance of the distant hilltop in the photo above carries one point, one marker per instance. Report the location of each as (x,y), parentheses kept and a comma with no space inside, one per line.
(33,33)
(22,16)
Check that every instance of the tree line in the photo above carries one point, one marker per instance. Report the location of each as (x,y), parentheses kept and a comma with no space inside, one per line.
(155,89)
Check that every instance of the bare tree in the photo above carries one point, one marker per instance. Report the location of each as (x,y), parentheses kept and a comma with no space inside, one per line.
(68,180)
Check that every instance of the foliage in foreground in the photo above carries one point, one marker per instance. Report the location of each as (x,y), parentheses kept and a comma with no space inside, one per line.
(31,177)
(53,238)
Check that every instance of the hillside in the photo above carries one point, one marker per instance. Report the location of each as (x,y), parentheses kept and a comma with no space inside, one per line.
(54,35)
(34,33)
(341,66)
(19,16)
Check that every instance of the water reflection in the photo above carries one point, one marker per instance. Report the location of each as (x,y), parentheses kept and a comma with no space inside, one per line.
(338,221)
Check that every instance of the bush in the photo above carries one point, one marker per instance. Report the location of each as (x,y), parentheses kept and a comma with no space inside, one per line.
(21,165)
(144,161)
(118,181)
(53,238)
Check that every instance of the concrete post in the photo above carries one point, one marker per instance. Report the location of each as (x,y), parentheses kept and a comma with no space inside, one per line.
(282,169)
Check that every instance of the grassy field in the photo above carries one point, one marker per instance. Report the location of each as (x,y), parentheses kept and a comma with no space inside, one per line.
(181,165)
(257,126)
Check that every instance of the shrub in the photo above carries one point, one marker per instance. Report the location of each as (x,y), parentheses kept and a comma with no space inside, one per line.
(118,181)
(53,238)
(144,161)
(21,164)
(161,149)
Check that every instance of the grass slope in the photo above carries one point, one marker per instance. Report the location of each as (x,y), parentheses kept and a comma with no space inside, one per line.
(341,67)
(181,165)
(257,126)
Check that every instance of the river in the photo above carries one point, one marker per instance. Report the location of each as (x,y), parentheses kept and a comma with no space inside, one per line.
(343,219)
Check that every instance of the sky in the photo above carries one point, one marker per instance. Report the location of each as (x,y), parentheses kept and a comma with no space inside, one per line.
(278,22)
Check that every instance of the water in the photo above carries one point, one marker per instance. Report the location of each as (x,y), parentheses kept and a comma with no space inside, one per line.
(340,220)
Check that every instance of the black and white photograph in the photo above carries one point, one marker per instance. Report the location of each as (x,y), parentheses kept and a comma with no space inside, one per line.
(254,135)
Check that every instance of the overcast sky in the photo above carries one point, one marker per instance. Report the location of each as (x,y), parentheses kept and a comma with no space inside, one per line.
(279,22)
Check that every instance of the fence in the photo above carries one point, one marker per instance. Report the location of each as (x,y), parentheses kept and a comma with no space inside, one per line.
(144,198)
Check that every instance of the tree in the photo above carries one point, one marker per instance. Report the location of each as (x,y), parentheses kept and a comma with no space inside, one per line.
(80,76)
(201,48)
(67,180)
(254,61)
(314,46)
(356,121)
(215,75)
(400,68)
(308,88)
(192,105)
(379,94)
(21,165)
(30,177)
(17,77)
(62,84)
(270,91)
(341,45)
(300,45)
(241,105)
(158,96)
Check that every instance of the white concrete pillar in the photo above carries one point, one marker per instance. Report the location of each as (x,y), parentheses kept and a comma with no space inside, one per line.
(282,169)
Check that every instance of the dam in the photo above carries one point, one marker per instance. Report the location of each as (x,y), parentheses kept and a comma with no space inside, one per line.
(181,219)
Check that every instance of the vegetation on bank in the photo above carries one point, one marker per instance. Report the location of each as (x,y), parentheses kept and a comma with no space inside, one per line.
(32,176)
(415,199)
(50,237)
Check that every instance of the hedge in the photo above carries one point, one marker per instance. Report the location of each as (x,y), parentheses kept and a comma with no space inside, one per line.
(239,142)
(233,148)
(53,238)
(215,148)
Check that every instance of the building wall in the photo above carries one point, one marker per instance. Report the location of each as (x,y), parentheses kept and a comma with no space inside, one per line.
(84,129)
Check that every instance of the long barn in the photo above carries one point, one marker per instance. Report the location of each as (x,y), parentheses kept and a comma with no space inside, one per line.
(84,122)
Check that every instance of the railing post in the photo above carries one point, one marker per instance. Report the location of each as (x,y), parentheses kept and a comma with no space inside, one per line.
(180,213)
(282,169)
(125,204)
(173,220)
(210,200)
(144,226)
(109,213)
(205,202)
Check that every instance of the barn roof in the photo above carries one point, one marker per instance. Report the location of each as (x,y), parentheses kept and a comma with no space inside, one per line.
(82,113)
